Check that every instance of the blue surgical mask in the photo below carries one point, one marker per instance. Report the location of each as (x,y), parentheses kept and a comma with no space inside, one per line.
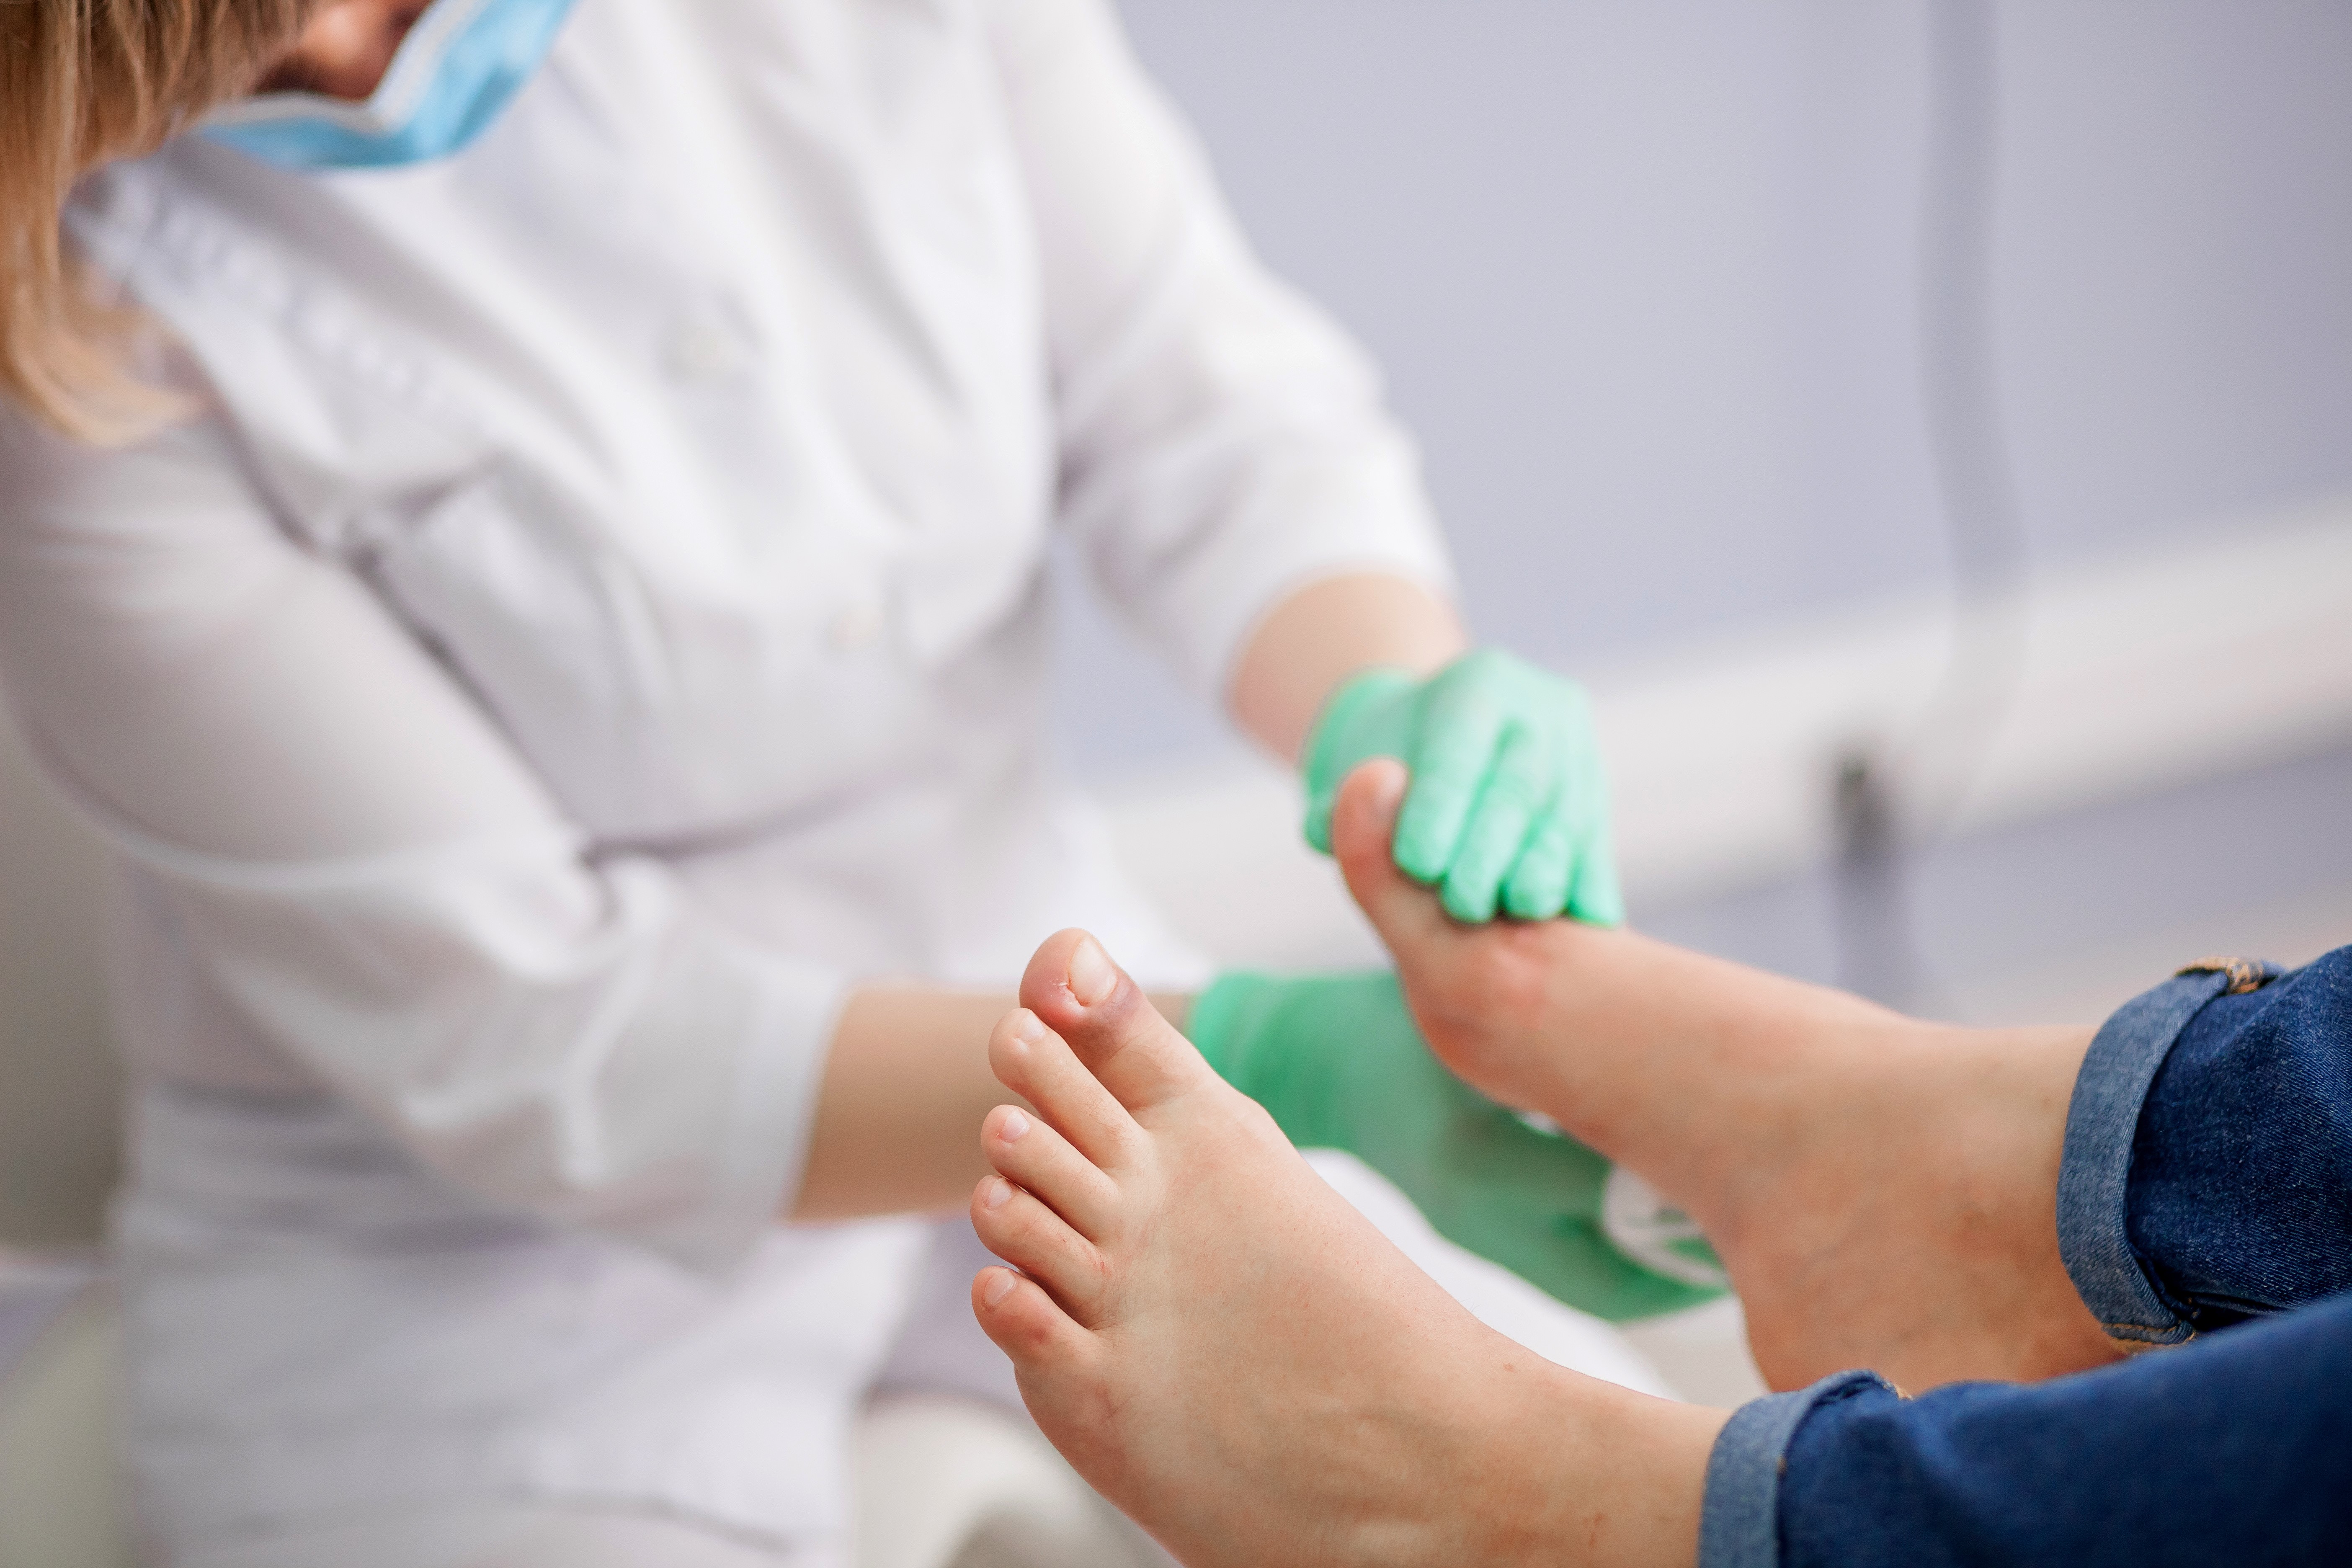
(457,68)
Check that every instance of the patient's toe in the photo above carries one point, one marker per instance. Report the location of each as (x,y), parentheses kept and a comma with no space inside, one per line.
(1073,985)
(1026,1325)
(1032,1154)
(1364,829)
(1031,1236)
(1037,1063)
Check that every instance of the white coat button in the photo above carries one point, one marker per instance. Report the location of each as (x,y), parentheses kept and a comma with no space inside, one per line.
(857,626)
(705,351)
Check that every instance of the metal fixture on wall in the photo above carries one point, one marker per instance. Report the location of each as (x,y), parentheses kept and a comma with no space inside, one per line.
(1894,796)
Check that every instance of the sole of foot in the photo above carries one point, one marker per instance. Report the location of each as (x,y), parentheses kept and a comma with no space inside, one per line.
(1235,1357)
(1882,1190)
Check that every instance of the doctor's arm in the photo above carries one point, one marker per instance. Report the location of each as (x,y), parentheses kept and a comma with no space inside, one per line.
(1231,475)
(873,1149)
(1315,640)
(907,1084)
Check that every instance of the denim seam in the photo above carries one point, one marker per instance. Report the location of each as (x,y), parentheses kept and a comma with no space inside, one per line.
(1740,1522)
(2102,1123)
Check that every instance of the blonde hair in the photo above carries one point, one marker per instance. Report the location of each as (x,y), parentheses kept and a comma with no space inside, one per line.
(82,82)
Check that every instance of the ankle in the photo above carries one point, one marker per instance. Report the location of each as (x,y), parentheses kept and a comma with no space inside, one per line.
(1702,1082)
(1572,1469)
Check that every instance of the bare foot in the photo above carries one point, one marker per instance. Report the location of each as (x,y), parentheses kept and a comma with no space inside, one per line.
(1235,1357)
(1883,1191)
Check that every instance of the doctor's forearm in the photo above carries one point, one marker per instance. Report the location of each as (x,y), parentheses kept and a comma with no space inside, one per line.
(906,1085)
(1326,632)
(908,1081)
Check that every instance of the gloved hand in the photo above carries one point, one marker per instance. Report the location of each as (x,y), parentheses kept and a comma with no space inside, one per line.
(1339,1064)
(1508,809)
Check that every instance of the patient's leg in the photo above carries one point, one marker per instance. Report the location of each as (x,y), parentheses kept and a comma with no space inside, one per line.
(1883,1191)
(1226,1349)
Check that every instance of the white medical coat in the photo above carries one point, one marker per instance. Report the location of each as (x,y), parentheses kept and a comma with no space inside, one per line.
(601,621)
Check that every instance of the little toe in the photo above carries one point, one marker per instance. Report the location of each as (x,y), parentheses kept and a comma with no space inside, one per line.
(1075,988)
(1034,1239)
(1034,1156)
(1026,1325)
(1038,1065)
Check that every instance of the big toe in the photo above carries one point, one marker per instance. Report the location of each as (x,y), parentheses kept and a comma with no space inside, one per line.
(1407,915)
(1073,985)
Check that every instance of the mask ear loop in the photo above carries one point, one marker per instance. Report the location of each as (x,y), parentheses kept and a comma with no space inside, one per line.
(408,80)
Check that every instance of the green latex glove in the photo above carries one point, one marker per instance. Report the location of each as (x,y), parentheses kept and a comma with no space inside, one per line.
(1508,809)
(1340,1063)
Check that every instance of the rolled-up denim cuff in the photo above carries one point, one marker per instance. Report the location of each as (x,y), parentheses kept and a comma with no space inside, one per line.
(2095,1179)
(1739,1525)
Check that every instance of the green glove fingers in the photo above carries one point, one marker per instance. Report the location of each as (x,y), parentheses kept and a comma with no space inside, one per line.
(1537,889)
(1514,796)
(1507,799)
(1339,1064)
(1463,715)
(1569,863)
(1369,716)
(1597,897)
(1594,893)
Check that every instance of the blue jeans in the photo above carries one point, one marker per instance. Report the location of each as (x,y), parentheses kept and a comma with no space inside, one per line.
(2205,1202)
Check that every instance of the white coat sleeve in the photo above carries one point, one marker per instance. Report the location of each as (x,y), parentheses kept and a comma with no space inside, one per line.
(383,893)
(1223,443)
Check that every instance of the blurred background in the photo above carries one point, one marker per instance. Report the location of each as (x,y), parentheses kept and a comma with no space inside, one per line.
(1926,426)
(1769,361)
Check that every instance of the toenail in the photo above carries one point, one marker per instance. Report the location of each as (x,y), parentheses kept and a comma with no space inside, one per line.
(1014,1128)
(1025,1027)
(999,1288)
(1092,977)
(1000,1192)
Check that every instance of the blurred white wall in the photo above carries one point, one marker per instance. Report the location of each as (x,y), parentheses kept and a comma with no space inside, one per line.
(1644,277)
(1645,280)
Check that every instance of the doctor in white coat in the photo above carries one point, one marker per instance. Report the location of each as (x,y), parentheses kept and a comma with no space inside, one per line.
(567,683)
